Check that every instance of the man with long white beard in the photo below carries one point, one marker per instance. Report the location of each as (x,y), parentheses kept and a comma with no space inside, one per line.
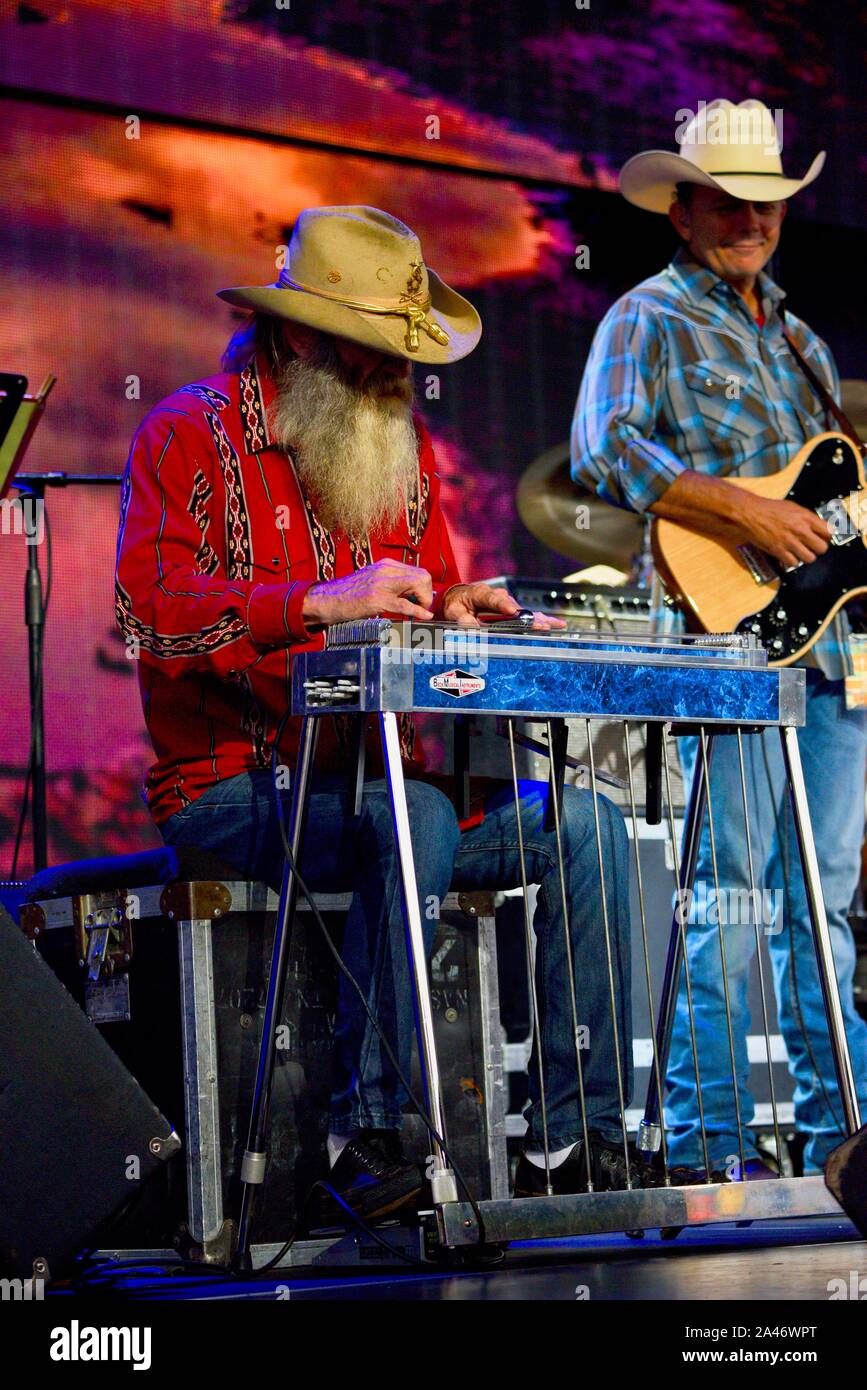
(295,490)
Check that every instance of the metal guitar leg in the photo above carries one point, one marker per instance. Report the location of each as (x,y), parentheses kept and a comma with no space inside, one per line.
(821,934)
(650,1128)
(255,1155)
(443,1186)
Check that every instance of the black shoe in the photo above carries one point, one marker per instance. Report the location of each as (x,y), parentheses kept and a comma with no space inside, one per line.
(684,1176)
(373,1176)
(607,1168)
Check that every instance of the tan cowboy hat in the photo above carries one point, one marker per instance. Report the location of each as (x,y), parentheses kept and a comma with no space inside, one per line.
(735,148)
(360,274)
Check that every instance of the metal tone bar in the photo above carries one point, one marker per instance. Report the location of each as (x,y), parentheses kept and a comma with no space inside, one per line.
(546,1218)
(531,969)
(492,1051)
(255,1156)
(723,960)
(557,748)
(821,934)
(650,1126)
(442,1181)
(201,1084)
(642,908)
(778,1144)
(606,925)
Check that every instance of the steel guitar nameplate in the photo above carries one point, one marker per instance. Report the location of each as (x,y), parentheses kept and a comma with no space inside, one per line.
(431,668)
(457,684)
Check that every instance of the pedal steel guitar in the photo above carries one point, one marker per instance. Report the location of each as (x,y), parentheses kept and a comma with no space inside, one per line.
(716,685)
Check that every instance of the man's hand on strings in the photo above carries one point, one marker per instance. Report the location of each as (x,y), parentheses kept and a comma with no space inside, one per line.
(387,587)
(466,602)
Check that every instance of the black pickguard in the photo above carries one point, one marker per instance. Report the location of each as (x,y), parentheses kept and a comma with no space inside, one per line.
(807,594)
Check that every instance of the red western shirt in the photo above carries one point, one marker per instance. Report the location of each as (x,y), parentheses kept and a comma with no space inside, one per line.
(217,547)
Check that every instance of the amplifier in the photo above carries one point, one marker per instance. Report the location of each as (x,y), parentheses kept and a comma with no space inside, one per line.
(597,607)
(490,756)
(81,1140)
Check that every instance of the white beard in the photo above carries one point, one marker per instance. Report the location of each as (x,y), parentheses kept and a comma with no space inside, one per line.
(355,451)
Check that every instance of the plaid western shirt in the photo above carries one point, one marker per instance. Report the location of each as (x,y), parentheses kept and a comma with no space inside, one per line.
(217,547)
(681,376)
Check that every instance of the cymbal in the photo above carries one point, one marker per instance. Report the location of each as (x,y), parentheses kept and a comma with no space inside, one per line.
(548,503)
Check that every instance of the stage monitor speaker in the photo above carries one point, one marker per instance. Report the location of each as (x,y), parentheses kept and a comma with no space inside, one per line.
(79,1137)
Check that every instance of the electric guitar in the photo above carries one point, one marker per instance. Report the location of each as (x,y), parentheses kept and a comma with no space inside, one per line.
(727,588)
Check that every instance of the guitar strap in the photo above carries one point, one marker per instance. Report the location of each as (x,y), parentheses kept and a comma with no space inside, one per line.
(821,389)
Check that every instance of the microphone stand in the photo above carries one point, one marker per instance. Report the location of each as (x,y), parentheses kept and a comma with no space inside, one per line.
(34,485)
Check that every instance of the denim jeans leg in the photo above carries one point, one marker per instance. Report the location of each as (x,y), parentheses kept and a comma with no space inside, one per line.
(367,1091)
(832,746)
(833,749)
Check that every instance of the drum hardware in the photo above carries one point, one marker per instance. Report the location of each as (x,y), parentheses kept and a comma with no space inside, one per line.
(569,519)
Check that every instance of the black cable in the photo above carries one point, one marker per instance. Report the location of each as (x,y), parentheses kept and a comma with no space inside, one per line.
(362,1225)
(347,973)
(105,1273)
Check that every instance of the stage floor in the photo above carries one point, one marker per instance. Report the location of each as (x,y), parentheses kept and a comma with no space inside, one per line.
(768,1261)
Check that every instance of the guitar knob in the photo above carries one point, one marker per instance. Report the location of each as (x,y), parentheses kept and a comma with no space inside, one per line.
(803,630)
(777,644)
(756,628)
(779,616)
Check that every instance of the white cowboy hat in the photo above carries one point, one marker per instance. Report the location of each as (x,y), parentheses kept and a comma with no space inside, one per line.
(359,273)
(735,148)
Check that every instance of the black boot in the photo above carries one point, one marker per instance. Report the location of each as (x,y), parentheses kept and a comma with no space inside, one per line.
(373,1176)
(607,1168)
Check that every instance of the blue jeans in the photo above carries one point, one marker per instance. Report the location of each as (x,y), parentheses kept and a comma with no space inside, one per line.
(833,748)
(237,820)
